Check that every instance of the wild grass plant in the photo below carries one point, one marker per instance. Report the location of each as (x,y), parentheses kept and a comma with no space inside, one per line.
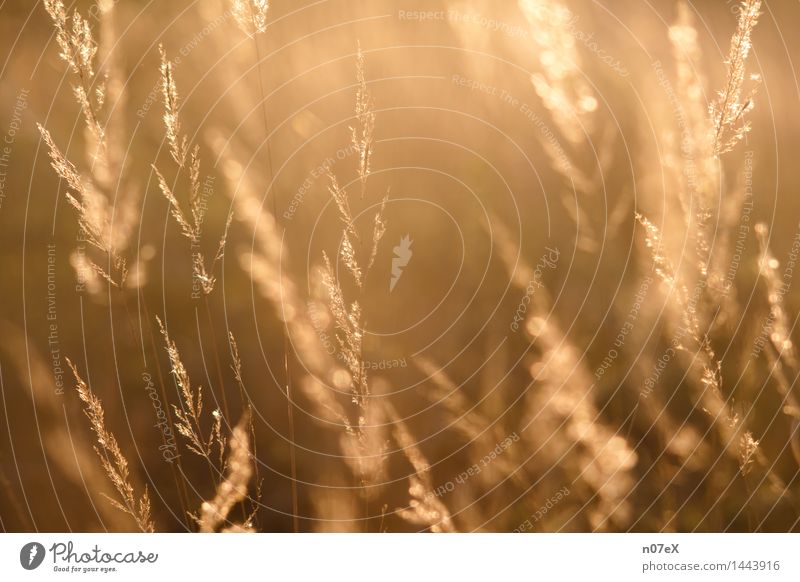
(655,413)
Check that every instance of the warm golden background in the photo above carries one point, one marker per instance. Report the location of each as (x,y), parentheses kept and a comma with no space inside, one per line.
(519,204)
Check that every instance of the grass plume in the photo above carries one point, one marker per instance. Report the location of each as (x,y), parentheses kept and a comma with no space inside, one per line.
(113,461)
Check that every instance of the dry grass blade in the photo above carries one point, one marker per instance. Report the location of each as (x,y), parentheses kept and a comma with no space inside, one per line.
(251,15)
(78,49)
(365,448)
(690,334)
(342,204)
(347,252)
(424,507)
(349,335)
(731,106)
(378,230)
(362,136)
(114,462)
(347,314)
(92,212)
(177,143)
(233,489)
(191,409)
(179,150)
(560,83)
(348,256)
(655,242)
(187,229)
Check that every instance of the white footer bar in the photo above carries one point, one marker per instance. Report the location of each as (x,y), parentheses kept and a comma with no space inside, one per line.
(402,557)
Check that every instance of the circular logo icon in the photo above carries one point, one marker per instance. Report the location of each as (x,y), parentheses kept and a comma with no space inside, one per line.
(31,555)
